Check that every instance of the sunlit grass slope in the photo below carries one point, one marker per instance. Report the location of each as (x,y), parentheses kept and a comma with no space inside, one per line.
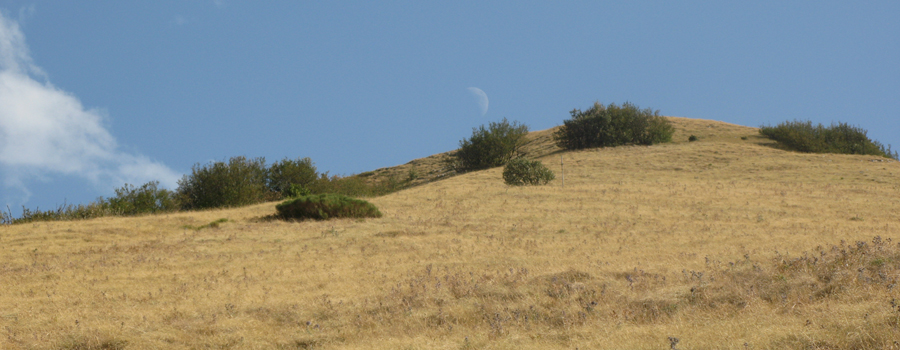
(721,243)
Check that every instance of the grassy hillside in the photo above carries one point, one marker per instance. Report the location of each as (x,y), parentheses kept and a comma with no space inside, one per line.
(721,243)
(540,144)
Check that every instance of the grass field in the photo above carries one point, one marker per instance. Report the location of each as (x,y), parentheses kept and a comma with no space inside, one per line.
(723,243)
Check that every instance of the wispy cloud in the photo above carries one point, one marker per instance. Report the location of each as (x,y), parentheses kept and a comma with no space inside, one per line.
(25,13)
(47,131)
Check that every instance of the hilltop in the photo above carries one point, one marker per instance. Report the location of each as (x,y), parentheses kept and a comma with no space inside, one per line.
(540,144)
(727,242)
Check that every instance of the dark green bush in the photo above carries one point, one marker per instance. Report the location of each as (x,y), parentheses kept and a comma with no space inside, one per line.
(288,173)
(239,182)
(489,147)
(609,126)
(148,198)
(692,138)
(326,206)
(803,136)
(519,171)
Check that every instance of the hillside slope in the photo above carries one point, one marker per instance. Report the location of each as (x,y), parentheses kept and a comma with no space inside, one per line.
(721,243)
(540,144)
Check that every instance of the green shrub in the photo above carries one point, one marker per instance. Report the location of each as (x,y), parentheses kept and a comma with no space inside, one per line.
(286,174)
(326,206)
(92,210)
(297,191)
(489,147)
(692,138)
(129,200)
(519,171)
(609,126)
(803,136)
(239,182)
(148,198)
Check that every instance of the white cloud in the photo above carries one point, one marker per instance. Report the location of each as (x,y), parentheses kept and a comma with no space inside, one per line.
(46,131)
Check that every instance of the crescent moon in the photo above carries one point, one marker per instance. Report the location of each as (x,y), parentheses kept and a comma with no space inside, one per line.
(481,98)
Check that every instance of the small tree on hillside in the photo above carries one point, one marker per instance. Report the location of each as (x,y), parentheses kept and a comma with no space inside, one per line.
(148,198)
(490,147)
(299,174)
(239,182)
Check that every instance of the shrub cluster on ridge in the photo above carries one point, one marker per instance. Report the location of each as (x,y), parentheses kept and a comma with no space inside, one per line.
(489,147)
(803,136)
(613,125)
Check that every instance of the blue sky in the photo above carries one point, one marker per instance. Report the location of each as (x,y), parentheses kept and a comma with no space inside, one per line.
(94,94)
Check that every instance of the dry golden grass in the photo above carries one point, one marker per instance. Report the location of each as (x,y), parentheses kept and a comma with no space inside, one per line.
(722,243)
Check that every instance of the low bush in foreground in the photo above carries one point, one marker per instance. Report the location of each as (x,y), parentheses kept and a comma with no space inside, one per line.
(326,206)
(612,125)
(803,136)
(519,172)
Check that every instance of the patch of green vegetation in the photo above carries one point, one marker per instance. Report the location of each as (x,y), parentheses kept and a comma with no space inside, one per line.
(519,172)
(612,125)
(803,136)
(489,147)
(240,181)
(283,177)
(326,206)
(129,201)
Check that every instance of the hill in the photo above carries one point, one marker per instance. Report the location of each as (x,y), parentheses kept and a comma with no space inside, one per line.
(719,243)
(540,144)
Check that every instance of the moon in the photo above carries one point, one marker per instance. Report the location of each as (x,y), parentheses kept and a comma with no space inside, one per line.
(481,98)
